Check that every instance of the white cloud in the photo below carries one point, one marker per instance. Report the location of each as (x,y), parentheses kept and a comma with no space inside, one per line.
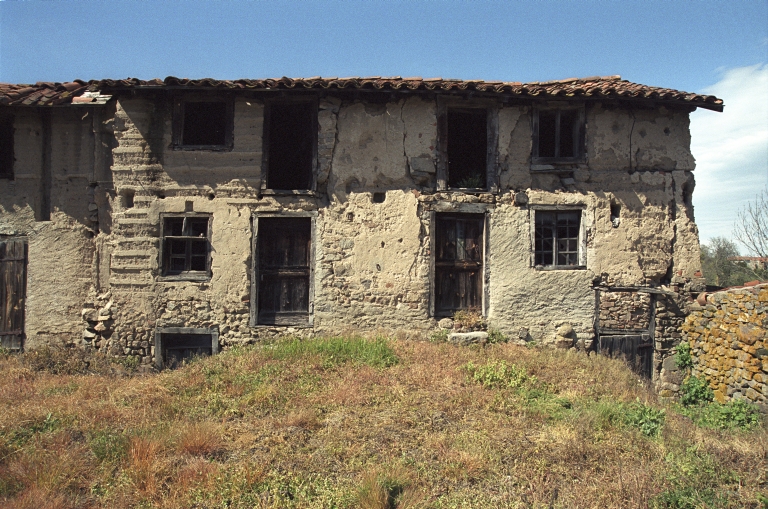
(731,149)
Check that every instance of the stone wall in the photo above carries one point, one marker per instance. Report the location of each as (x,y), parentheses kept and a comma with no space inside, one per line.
(728,334)
(95,270)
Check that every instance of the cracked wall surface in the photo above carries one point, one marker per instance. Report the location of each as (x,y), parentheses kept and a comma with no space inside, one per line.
(114,178)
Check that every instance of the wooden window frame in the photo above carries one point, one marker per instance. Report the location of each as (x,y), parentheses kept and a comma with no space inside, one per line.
(179,103)
(268,105)
(580,143)
(7,156)
(492,134)
(435,217)
(254,318)
(580,243)
(187,275)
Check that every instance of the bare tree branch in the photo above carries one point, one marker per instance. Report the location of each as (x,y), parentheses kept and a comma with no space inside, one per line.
(751,228)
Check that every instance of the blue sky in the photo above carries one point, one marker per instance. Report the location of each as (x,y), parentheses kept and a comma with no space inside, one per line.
(698,46)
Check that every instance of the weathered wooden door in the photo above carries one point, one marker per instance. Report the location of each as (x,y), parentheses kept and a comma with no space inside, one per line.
(13,290)
(635,349)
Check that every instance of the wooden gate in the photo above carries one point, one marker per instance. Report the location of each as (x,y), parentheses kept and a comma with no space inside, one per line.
(635,349)
(13,291)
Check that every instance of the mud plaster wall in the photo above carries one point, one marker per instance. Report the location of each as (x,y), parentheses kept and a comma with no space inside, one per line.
(61,251)
(372,267)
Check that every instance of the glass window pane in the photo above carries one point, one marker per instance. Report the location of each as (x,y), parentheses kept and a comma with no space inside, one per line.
(197,226)
(174,226)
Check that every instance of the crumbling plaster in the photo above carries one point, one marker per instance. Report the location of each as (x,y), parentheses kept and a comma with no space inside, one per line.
(372,268)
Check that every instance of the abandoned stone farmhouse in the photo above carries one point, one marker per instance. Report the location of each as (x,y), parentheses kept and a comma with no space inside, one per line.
(159,218)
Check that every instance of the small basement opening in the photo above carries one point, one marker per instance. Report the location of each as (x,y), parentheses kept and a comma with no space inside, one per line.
(467,148)
(175,345)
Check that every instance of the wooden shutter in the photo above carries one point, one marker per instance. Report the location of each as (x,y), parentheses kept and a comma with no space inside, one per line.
(13,288)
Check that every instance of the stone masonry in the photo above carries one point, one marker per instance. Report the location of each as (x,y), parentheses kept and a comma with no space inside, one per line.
(728,334)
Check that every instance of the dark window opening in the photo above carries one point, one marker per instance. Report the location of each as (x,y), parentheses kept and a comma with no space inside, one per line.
(557,238)
(290,145)
(284,250)
(205,123)
(127,198)
(175,346)
(6,147)
(379,197)
(178,348)
(458,264)
(467,148)
(615,214)
(186,246)
(559,134)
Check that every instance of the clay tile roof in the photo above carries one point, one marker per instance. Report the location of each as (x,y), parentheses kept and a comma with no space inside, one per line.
(597,87)
(41,94)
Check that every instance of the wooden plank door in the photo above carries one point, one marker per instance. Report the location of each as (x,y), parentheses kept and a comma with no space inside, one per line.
(635,349)
(13,290)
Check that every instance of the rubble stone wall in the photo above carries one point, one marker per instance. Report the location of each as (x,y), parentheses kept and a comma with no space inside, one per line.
(729,343)
(95,274)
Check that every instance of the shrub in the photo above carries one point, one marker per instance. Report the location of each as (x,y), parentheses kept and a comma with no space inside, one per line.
(468,320)
(647,419)
(683,359)
(496,336)
(695,391)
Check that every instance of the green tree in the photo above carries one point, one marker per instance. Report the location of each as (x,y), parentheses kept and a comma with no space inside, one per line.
(719,267)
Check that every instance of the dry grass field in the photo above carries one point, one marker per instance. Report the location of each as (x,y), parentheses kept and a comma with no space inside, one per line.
(369,423)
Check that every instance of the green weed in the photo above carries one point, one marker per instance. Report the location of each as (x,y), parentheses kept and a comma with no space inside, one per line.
(108,446)
(734,415)
(683,359)
(499,375)
(439,336)
(496,336)
(645,418)
(695,391)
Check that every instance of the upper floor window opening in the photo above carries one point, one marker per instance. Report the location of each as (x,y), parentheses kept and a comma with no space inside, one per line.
(6,147)
(290,140)
(467,147)
(558,134)
(203,124)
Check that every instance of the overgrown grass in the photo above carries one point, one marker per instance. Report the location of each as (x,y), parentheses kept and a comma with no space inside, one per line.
(366,423)
(335,351)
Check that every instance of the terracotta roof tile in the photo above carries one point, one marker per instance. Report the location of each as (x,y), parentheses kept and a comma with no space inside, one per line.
(608,87)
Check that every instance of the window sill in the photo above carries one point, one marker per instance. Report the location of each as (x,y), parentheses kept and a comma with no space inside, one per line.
(282,325)
(184,277)
(556,167)
(559,267)
(206,148)
(289,192)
